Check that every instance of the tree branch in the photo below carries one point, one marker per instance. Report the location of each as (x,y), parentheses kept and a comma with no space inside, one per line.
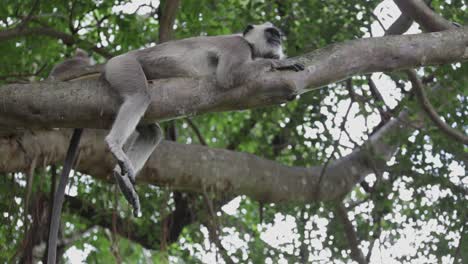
(166,22)
(220,170)
(197,132)
(431,112)
(92,104)
(350,233)
(400,26)
(423,15)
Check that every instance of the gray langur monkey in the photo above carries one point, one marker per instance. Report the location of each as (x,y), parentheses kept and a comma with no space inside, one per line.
(58,73)
(232,59)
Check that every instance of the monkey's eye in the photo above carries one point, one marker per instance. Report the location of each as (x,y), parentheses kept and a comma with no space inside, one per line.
(274,32)
(248,29)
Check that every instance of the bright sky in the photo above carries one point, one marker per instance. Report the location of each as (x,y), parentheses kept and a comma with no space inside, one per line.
(280,234)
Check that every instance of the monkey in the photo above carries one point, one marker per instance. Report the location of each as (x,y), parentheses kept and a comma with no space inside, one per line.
(231,59)
(58,72)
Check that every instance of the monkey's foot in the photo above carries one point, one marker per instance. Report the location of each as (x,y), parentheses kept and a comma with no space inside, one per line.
(129,192)
(126,168)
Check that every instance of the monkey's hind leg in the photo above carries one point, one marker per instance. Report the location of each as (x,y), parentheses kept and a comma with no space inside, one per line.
(125,123)
(126,76)
(138,152)
(148,138)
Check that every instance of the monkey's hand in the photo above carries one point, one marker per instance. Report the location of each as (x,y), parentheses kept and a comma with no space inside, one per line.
(281,65)
(128,190)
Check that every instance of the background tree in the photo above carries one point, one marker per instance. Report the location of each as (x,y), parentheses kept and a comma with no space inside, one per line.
(369,168)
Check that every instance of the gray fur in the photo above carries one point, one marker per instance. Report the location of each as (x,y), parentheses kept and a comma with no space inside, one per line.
(232,59)
(80,60)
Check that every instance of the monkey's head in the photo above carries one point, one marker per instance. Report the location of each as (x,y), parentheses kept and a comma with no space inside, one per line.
(82,56)
(265,39)
(81,53)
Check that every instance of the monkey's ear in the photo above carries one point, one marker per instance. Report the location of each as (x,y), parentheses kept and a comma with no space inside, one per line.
(81,53)
(247,29)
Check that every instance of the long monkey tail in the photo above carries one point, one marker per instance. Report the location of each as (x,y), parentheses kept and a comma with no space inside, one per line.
(60,195)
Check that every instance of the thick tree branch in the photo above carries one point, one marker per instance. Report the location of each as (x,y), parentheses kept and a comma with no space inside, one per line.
(431,112)
(198,168)
(91,104)
(423,15)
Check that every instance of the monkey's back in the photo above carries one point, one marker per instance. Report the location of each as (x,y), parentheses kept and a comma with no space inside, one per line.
(191,57)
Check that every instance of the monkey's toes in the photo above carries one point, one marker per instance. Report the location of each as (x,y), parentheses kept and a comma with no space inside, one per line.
(123,167)
(128,190)
(126,169)
(136,211)
(131,176)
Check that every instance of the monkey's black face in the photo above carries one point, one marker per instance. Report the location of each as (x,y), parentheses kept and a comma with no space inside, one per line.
(266,40)
(273,36)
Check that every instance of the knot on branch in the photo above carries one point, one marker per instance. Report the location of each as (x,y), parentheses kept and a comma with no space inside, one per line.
(272,90)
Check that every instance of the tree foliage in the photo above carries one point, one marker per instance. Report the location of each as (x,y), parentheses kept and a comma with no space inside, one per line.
(420,198)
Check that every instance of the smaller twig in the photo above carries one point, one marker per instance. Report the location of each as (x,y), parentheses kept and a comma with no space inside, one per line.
(244,131)
(350,234)
(166,21)
(354,204)
(430,111)
(29,16)
(349,88)
(377,96)
(115,239)
(149,14)
(67,241)
(70,18)
(23,76)
(335,146)
(378,21)
(376,236)
(425,16)
(29,187)
(400,26)
(457,257)
(214,229)
(197,132)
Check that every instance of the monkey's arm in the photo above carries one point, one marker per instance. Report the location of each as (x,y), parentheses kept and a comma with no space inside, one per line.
(233,70)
